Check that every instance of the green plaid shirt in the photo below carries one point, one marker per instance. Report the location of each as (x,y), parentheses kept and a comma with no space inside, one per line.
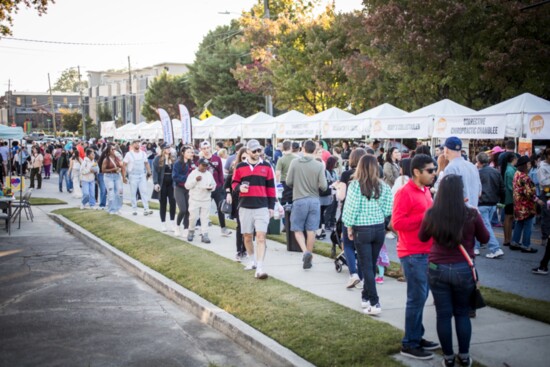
(359,211)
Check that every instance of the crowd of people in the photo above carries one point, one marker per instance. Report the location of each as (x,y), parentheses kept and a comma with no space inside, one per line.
(441,207)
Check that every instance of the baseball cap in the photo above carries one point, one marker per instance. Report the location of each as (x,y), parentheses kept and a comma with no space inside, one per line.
(205,144)
(204,161)
(453,143)
(164,146)
(253,145)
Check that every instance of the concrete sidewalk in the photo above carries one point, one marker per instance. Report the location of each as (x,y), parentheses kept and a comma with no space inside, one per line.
(498,338)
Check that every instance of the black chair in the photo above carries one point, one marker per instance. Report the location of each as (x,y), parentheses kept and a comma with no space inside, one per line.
(23,204)
(5,215)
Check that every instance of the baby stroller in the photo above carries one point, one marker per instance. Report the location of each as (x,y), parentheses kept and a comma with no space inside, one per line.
(336,239)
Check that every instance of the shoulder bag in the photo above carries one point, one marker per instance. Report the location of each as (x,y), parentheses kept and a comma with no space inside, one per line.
(476,299)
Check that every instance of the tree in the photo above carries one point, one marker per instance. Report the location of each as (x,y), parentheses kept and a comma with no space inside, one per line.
(68,81)
(104,113)
(476,52)
(167,92)
(9,7)
(92,128)
(210,75)
(71,121)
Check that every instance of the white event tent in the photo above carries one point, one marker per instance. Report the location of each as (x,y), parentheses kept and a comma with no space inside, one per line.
(334,123)
(228,128)
(127,132)
(524,115)
(358,126)
(258,126)
(151,131)
(294,125)
(203,129)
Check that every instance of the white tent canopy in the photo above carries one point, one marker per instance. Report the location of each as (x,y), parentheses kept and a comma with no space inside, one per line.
(203,129)
(228,128)
(258,126)
(519,111)
(359,125)
(151,131)
(335,123)
(442,108)
(127,132)
(294,125)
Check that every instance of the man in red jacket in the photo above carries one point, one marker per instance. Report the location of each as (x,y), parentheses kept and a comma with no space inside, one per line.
(410,204)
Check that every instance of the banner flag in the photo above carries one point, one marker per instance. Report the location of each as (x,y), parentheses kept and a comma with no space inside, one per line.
(185,125)
(538,126)
(470,127)
(166,126)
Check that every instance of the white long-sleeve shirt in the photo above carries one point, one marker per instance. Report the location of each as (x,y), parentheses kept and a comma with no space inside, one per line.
(198,190)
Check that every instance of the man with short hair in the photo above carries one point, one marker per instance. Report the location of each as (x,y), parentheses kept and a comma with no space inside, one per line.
(492,189)
(306,176)
(136,166)
(510,148)
(281,170)
(218,194)
(255,182)
(459,166)
(410,205)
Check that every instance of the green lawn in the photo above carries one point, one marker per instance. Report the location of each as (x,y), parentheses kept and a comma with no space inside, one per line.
(46,201)
(321,331)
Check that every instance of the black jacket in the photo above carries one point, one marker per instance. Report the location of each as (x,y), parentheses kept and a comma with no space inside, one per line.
(492,187)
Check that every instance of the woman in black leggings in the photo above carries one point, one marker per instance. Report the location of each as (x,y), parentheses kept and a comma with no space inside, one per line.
(183,166)
(163,165)
(232,197)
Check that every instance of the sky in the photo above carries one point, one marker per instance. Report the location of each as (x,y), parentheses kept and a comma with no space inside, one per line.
(151,32)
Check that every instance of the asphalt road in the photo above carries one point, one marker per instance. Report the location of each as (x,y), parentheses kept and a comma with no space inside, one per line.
(64,304)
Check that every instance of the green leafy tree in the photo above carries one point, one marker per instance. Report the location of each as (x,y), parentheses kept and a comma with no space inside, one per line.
(104,113)
(68,81)
(476,52)
(10,7)
(167,92)
(71,121)
(92,128)
(210,76)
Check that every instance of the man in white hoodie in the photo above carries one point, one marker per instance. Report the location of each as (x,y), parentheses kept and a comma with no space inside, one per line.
(200,184)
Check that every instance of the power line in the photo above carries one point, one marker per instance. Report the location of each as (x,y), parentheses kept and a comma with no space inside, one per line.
(78,43)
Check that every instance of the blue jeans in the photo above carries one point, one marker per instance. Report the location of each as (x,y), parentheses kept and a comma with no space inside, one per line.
(487,213)
(452,286)
(88,193)
(63,175)
(113,183)
(102,190)
(523,226)
(368,241)
(415,268)
(138,181)
(349,253)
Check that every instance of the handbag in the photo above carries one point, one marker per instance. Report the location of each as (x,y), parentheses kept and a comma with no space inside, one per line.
(225,207)
(476,298)
(155,195)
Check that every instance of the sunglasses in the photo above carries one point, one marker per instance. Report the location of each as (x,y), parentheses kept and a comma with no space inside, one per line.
(429,170)
(257,151)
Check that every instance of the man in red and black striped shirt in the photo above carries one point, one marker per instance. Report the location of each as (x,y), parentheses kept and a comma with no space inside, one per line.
(255,181)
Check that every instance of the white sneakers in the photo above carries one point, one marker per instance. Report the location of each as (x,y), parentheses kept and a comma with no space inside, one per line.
(373,310)
(476,251)
(163,227)
(177,231)
(495,255)
(353,280)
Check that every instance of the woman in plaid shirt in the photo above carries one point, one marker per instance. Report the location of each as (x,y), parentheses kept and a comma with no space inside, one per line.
(368,202)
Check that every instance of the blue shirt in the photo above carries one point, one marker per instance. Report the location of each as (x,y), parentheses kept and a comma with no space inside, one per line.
(470,179)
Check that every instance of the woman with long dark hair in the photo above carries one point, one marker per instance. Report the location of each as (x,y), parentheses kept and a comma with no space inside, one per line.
(182,168)
(349,247)
(326,197)
(391,166)
(74,173)
(451,223)
(163,165)
(369,201)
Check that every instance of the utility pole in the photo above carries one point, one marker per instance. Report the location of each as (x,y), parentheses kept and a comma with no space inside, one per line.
(81,103)
(9,106)
(130,104)
(268,100)
(52,107)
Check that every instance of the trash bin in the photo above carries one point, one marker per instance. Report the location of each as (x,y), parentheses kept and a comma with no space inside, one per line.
(274,226)
(291,243)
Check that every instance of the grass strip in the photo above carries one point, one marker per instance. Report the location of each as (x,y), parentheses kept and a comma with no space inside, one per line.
(46,201)
(528,307)
(319,330)
(531,308)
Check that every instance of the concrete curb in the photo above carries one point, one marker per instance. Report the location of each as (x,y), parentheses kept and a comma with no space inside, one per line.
(264,347)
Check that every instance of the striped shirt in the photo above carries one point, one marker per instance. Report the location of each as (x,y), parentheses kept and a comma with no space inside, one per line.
(360,211)
(261,191)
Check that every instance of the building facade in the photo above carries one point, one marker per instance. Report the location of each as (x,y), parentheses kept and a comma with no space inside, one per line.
(112,93)
(34,110)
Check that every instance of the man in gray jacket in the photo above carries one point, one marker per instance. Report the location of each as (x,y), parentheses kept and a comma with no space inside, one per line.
(306,176)
(492,189)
